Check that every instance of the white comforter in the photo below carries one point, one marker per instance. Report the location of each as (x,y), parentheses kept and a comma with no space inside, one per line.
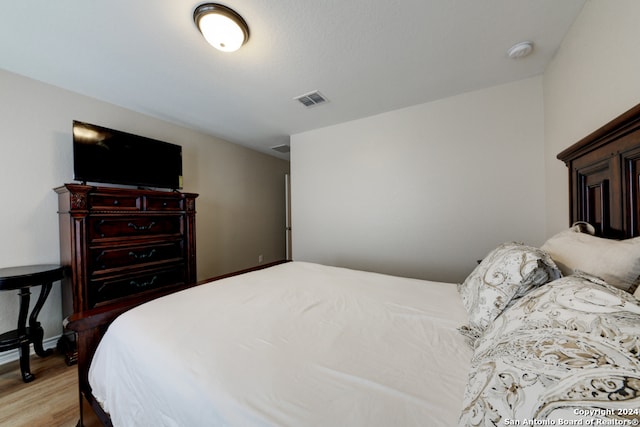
(295,345)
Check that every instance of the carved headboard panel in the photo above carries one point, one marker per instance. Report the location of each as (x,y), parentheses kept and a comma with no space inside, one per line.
(604,174)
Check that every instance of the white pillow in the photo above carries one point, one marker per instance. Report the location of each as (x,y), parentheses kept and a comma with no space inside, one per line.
(615,261)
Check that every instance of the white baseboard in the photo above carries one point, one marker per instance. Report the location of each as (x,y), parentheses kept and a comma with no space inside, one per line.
(13,355)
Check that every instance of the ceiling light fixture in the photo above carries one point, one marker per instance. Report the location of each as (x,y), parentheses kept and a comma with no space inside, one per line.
(520,50)
(221,26)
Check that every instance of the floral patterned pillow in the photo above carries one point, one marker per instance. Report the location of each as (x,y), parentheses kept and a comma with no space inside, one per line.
(569,350)
(504,275)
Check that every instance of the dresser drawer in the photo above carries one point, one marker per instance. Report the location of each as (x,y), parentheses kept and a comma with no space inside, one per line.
(105,290)
(119,227)
(108,258)
(159,203)
(114,202)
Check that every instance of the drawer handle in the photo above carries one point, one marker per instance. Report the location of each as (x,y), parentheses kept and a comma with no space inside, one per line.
(141,227)
(140,285)
(97,261)
(139,255)
(98,227)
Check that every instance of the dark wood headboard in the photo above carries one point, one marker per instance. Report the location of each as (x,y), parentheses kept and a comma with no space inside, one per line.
(604,174)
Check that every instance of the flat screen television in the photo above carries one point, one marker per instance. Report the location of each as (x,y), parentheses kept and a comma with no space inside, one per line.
(106,155)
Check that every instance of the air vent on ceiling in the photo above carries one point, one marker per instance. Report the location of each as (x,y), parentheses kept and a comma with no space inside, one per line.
(311,99)
(284,148)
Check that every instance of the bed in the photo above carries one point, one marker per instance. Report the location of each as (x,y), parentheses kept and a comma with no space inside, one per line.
(534,336)
(295,344)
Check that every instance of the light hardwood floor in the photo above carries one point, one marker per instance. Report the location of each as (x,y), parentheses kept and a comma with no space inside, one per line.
(51,400)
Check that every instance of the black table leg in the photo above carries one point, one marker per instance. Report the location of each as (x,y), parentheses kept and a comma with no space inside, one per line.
(35,329)
(23,337)
(22,279)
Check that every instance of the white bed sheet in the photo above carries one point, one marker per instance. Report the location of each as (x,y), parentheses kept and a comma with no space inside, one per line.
(297,345)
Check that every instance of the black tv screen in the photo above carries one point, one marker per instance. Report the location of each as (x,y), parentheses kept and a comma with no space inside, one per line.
(109,156)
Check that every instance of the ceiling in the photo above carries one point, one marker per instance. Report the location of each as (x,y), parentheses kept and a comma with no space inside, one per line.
(365,56)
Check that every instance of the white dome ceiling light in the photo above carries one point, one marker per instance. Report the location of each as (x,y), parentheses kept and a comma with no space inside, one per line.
(222,27)
(520,50)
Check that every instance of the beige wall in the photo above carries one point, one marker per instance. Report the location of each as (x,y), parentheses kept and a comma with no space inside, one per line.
(594,77)
(423,191)
(240,211)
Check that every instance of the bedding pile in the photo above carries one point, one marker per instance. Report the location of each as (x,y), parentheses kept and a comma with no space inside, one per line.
(295,345)
(549,350)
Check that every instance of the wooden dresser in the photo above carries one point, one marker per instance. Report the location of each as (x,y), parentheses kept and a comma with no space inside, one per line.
(120,243)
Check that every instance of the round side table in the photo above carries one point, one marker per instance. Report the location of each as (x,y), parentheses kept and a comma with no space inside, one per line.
(22,279)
